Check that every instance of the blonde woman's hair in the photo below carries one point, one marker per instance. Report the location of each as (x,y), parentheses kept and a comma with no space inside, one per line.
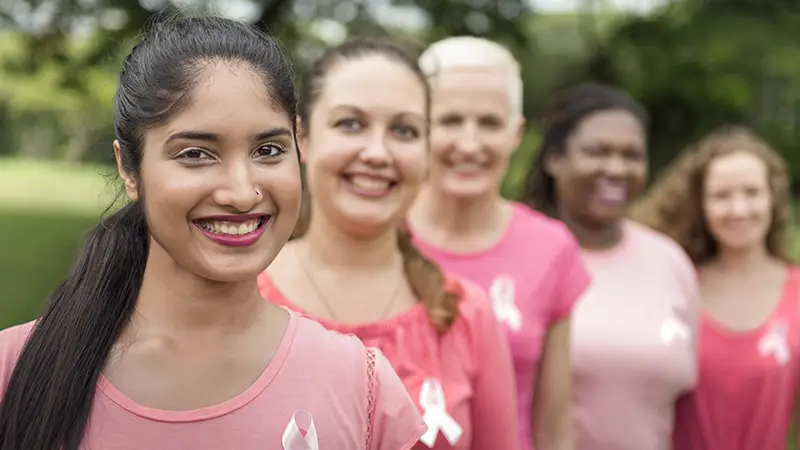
(474,52)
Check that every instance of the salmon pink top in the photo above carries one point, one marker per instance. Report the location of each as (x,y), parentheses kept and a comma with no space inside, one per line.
(634,343)
(319,387)
(748,385)
(462,380)
(533,276)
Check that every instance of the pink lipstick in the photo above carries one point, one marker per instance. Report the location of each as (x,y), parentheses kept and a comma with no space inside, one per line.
(240,230)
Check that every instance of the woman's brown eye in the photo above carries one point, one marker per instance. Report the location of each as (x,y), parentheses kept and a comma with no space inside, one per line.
(194,154)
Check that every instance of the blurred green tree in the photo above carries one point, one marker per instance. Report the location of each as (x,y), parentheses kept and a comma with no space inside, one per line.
(58,64)
(698,64)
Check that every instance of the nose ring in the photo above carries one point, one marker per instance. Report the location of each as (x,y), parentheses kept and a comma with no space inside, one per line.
(258,193)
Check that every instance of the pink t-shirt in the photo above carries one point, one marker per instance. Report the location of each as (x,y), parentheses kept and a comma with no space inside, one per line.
(748,385)
(469,366)
(533,276)
(634,343)
(314,372)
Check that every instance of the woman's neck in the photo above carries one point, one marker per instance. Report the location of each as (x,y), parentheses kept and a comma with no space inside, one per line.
(442,215)
(593,236)
(335,248)
(175,300)
(743,261)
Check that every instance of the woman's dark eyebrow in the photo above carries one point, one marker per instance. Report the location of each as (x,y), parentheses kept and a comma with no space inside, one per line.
(213,137)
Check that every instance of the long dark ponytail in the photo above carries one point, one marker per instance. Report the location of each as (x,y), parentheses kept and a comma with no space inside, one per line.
(49,397)
(50,393)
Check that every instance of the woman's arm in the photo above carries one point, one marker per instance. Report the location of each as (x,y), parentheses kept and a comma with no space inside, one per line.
(495,423)
(685,413)
(551,415)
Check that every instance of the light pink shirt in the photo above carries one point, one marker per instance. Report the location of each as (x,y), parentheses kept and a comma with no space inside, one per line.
(470,362)
(748,388)
(634,343)
(536,268)
(323,373)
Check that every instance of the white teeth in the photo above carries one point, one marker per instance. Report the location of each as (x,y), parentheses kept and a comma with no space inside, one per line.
(369,183)
(611,192)
(230,228)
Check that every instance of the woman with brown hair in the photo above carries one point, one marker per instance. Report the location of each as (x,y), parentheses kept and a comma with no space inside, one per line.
(363,135)
(726,202)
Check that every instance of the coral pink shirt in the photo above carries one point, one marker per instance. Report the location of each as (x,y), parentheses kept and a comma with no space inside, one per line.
(314,372)
(748,385)
(533,276)
(470,363)
(634,343)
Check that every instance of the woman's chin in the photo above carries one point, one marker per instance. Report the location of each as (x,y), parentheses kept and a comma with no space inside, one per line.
(467,188)
(368,224)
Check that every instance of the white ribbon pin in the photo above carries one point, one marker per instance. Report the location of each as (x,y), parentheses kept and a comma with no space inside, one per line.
(293,438)
(673,329)
(775,344)
(502,294)
(436,417)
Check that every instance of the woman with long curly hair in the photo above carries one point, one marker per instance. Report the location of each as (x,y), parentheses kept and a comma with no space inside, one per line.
(726,202)
(633,332)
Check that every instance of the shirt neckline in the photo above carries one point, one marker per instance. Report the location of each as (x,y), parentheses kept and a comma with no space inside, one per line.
(210,412)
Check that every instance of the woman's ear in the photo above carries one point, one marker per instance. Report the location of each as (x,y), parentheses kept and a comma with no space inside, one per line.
(302,138)
(131,185)
(519,131)
(553,162)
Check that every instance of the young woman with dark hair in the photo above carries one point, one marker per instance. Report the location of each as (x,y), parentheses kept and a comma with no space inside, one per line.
(159,337)
(634,332)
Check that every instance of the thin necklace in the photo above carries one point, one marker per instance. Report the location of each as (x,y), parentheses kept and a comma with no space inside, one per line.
(324,300)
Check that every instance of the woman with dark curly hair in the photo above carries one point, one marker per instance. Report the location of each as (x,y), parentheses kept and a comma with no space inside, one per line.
(633,332)
(726,202)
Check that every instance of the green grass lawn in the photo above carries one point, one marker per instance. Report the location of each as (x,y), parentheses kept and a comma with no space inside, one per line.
(54,187)
(37,250)
(45,209)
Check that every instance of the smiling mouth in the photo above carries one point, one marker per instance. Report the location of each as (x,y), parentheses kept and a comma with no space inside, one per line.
(227,228)
(611,193)
(370,185)
(466,167)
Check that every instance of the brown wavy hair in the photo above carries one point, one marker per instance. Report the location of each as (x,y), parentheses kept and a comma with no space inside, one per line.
(425,277)
(674,204)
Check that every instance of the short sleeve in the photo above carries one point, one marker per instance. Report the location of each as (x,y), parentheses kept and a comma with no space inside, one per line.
(494,403)
(570,278)
(396,421)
